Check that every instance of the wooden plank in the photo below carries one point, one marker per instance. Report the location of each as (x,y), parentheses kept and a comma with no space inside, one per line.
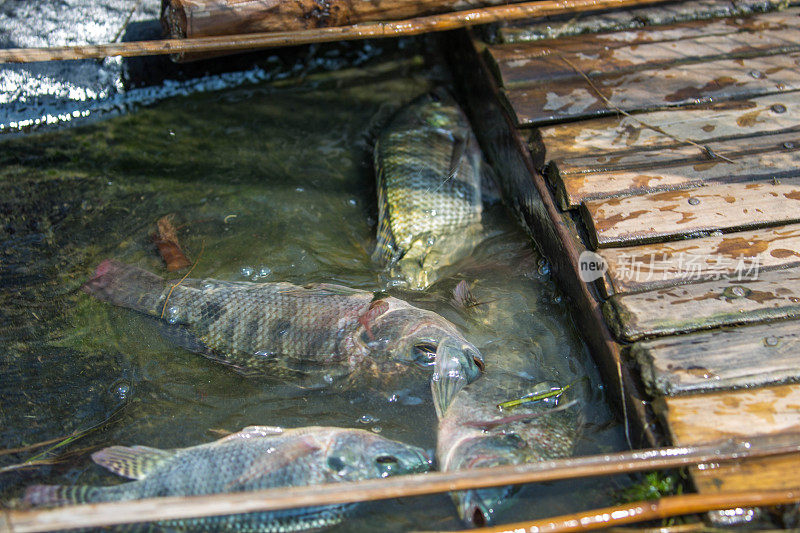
(758,297)
(622,19)
(691,212)
(720,359)
(546,62)
(706,417)
(710,122)
(659,265)
(654,89)
(764,157)
(591,43)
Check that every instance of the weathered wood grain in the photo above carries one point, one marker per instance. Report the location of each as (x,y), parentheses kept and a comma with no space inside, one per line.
(545,61)
(700,124)
(751,158)
(691,212)
(632,18)
(707,417)
(658,88)
(742,357)
(198,18)
(771,296)
(659,265)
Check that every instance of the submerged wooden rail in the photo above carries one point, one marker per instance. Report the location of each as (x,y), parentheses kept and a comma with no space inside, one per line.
(642,511)
(372,30)
(173,508)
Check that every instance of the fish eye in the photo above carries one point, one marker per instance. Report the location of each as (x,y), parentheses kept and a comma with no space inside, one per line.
(386,460)
(425,352)
(478,362)
(515,440)
(335,464)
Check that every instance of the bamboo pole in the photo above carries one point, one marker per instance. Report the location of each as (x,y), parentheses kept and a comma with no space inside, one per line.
(172,508)
(371,30)
(643,511)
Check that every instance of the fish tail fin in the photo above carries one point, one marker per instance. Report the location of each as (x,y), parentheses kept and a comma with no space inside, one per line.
(59,495)
(127,286)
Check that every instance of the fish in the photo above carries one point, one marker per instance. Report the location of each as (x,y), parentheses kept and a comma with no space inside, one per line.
(311,334)
(255,458)
(429,180)
(474,432)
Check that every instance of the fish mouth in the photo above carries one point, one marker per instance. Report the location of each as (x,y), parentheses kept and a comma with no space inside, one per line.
(455,367)
(472,510)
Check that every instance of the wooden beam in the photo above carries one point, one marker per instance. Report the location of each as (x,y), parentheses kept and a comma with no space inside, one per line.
(656,266)
(757,412)
(658,88)
(701,124)
(772,296)
(691,212)
(367,30)
(741,357)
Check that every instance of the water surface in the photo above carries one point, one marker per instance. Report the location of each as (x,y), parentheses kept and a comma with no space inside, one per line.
(265,183)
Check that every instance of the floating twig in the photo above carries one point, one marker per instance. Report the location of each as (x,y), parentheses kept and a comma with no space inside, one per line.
(553,393)
(166,240)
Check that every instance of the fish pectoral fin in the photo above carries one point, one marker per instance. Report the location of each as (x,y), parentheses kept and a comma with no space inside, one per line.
(269,464)
(133,462)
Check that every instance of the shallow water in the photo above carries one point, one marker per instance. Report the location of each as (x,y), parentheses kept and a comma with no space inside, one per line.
(266,184)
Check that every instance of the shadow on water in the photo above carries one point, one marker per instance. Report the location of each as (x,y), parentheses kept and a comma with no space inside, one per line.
(266,184)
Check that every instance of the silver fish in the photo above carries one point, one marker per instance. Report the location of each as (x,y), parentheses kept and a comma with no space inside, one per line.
(258,457)
(312,333)
(428,167)
(474,432)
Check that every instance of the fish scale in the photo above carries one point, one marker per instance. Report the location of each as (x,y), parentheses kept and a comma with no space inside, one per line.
(256,458)
(312,334)
(474,432)
(428,168)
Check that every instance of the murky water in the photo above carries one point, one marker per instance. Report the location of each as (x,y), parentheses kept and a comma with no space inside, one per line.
(266,184)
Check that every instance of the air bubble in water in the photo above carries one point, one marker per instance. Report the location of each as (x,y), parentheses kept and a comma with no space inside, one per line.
(247,271)
(368,419)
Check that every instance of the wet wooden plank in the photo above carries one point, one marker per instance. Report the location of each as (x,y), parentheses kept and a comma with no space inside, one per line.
(742,357)
(691,212)
(770,296)
(655,266)
(710,122)
(763,157)
(633,19)
(546,61)
(707,417)
(654,89)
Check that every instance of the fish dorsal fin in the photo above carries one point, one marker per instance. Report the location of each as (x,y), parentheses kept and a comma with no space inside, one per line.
(321,289)
(133,462)
(250,432)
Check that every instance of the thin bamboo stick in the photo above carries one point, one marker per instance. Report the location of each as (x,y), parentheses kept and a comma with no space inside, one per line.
(171,508)
(646,510)
(231,43)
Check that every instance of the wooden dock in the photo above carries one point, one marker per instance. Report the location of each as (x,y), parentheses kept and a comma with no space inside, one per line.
(669,149)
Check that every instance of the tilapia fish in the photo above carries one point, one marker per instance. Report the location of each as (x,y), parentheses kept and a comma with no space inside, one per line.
(474,432)
(428,167)
(316,332)
(258,457)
